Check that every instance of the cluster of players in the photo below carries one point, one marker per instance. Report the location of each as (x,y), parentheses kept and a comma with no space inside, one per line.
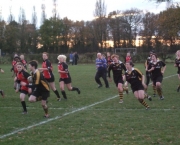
(38,82)
(126,72)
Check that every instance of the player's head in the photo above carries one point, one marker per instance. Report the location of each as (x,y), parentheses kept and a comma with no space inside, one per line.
(22,56)
(178,53)
(19,66)
(62,58)
(45,55)
(115,57)
(129,64)
(33,64)
(128,54)
(154,57)
(17,58)
(108,54)
(99,55)
(151,52)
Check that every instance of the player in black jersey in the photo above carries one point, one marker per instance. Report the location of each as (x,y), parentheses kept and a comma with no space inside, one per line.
(148,74)
(157,68)
(117,68)
(177,64)
(136,79)
(41,87)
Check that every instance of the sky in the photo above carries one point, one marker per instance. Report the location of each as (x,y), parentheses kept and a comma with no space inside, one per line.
(74,9)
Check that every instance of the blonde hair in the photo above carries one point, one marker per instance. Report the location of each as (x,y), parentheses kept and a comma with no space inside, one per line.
(114,55)
(63,57)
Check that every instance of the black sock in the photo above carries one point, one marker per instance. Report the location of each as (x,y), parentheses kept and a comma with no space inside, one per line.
(57,93)
(64,94)
(74,89)
(24,105)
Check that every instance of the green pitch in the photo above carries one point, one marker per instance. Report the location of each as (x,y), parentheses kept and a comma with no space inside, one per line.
(94,117)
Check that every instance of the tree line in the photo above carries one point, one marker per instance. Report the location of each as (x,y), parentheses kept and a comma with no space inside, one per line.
(157,31)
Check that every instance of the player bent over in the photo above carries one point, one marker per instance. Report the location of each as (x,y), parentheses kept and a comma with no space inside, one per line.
(41,87)
(65,78)
(136,79)
(22,76)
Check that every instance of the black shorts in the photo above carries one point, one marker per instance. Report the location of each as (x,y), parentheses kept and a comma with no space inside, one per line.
(24,92)
(50,80)
(65,80)
(137,88)
(157,79)
(38,93)
(118,80)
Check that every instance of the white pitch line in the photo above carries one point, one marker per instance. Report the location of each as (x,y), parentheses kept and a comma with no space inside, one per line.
(58,117)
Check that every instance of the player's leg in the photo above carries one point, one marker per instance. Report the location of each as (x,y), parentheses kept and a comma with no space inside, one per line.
(97,79)
(53,87)
(70,88)
(23,103)
(139,94)
(120,90)
(61,84)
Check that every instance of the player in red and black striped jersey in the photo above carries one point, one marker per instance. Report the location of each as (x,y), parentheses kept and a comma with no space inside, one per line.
(177,64)
(22,76)
(23,61)
(117,68)
(65,78)
(15,71)
(157,68)
(136,79)
(48,74)
(128,57)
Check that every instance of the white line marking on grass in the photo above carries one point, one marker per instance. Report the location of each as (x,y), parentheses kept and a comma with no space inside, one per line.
(58,117)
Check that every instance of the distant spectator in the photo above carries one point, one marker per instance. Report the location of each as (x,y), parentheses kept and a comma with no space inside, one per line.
(108,59)
(128,57)
(71,58)
(76,57)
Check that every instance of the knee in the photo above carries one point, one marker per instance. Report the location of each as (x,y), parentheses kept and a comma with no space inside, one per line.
(32,100)
(158,85)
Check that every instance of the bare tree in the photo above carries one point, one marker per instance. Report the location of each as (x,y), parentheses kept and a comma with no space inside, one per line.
(34,17)
(43,13)
(100,23)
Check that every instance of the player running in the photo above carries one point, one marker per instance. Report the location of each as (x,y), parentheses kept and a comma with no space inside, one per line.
(65,78)
(136,79)
(117,68)
(157,68)
(48,75)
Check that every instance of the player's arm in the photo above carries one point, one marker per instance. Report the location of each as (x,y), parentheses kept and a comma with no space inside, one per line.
(48,66)
(124,67)
(26,74)
(150,68)
(140,75)
(164,68)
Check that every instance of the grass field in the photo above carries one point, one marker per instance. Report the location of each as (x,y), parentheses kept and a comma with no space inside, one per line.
(92,118)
